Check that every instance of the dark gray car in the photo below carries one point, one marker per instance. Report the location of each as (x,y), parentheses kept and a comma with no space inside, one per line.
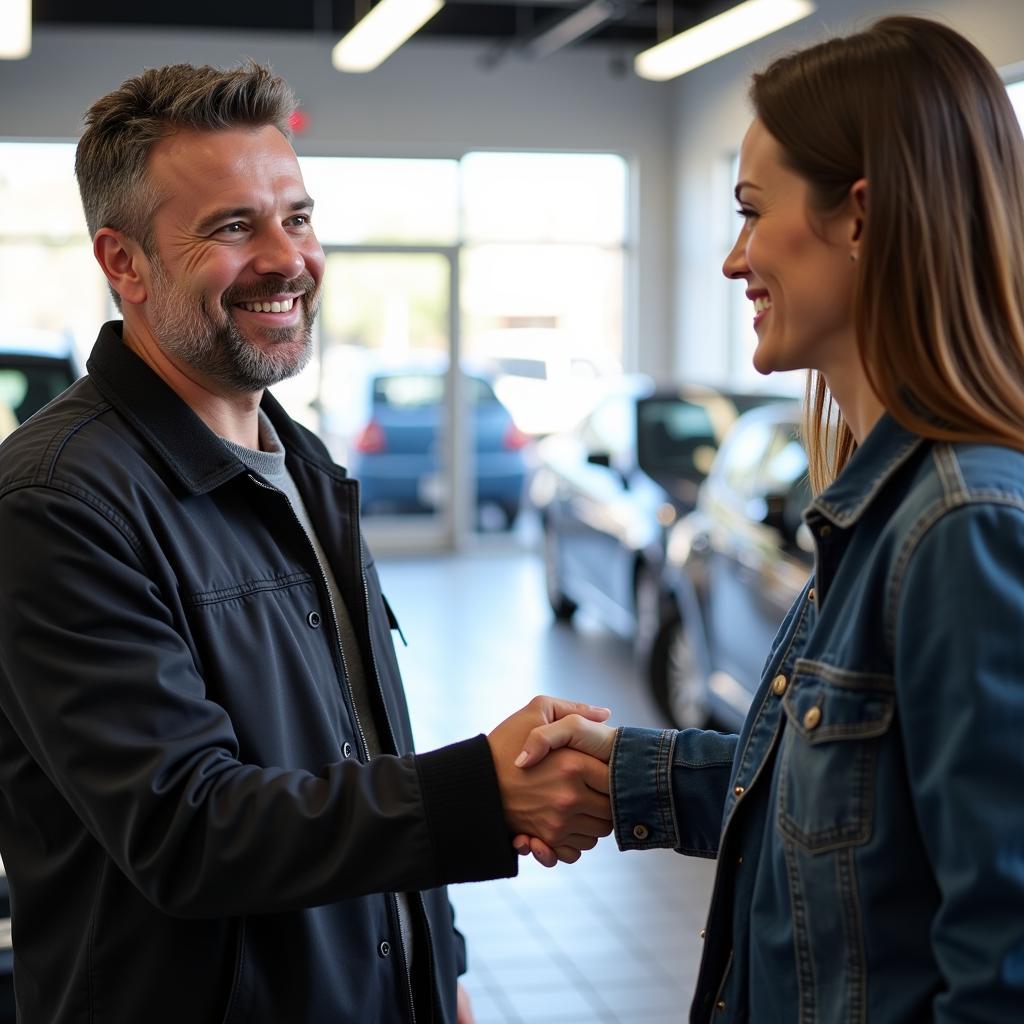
(733,568)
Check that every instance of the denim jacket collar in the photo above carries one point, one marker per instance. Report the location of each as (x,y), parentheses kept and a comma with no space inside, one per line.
(886,448)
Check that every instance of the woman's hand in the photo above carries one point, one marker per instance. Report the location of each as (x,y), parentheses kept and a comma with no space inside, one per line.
(573,731)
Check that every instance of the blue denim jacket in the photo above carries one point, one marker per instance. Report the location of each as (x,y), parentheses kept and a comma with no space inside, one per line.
(869,819)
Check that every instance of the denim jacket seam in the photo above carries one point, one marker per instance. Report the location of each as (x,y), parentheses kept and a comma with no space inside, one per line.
(676,836)
(924,523)
(845,678)
(670,823)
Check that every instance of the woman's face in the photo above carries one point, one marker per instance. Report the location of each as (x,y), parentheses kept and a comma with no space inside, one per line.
(797,265)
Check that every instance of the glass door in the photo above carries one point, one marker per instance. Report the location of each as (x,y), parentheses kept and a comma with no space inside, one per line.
(389,408)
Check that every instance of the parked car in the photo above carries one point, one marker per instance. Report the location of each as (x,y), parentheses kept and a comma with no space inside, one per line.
(547,380)
(608,492)
(734,566)
(35,367)
(396,457)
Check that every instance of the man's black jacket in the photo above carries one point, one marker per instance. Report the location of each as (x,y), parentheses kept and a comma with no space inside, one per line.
(189,828)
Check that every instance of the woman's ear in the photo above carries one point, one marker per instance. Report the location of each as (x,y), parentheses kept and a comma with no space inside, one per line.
(858,200)
(121,259)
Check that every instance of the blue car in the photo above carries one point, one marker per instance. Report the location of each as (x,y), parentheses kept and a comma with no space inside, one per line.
(397,455)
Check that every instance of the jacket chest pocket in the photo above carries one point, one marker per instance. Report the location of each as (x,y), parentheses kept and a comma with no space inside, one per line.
(826,786)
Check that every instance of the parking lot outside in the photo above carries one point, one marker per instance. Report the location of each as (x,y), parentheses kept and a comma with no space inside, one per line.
(613,938)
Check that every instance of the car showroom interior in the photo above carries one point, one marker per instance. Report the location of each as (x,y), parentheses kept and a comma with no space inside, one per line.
(573,480)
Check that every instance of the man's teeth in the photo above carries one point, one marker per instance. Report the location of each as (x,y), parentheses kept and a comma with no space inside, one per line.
(761,303)
(268,307)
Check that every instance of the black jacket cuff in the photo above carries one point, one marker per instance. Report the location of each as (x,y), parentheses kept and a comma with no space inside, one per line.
(464,813)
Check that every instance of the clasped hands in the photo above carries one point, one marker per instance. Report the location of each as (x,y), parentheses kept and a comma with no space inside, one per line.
(551,759)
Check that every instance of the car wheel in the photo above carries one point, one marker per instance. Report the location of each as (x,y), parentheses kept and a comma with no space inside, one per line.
(562,606)
(677,680)
(647,610)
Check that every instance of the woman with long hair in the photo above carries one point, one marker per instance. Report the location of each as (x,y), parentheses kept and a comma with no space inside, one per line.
(868,821)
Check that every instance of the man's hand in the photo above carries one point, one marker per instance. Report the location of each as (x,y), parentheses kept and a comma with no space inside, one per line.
(578,733)
(563,800)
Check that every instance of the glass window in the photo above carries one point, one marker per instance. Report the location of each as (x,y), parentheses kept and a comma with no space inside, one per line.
(544,197)
(1016,91)
(742,456)
(672,433)
(366,201)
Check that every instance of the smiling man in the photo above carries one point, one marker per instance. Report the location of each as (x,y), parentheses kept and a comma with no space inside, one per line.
(210,808)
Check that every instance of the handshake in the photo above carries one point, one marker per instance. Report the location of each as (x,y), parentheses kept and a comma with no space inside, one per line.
(551,759)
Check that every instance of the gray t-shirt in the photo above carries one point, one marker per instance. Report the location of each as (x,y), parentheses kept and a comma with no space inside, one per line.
(269,463)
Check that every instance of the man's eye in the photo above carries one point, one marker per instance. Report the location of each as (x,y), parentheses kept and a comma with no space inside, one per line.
(300,220)
(234,228)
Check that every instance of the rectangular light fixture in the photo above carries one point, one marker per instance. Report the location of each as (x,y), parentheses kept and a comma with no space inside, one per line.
(719,35)
(15,29)
(375,37)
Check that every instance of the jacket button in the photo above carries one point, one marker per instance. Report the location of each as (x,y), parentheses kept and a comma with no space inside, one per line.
(702,932)
(720,1005)
(810,595)
(738,791)
(812,718)
(641,832)
(826,531)
(346,749)
(779,684)
(384,949)
(314,620)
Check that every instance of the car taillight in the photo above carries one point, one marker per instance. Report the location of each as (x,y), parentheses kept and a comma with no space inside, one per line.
(514,438)
(370,440)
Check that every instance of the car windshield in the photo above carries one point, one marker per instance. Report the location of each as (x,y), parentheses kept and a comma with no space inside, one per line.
(419,390)
(672,433)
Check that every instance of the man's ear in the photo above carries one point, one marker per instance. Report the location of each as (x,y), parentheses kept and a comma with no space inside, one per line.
(858,200)
(124,263)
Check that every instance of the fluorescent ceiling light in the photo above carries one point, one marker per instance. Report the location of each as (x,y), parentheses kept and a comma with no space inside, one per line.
(15,29)
(383,30)
(719,35)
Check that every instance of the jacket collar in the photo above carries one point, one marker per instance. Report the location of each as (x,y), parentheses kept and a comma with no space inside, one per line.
(192,452)
(886,448)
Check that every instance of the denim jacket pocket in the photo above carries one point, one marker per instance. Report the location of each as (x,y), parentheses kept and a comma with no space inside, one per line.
(827,762)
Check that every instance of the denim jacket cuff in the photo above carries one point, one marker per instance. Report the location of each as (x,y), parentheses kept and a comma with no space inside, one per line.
(641,792)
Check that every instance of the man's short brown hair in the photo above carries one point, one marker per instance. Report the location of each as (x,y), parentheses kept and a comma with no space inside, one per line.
(121,128)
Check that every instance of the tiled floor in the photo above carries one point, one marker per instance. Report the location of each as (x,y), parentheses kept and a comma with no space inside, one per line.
(613,938)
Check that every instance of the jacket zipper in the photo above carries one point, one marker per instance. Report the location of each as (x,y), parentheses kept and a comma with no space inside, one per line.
(363,744)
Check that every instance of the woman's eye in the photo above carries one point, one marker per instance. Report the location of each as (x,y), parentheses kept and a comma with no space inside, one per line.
(746,213)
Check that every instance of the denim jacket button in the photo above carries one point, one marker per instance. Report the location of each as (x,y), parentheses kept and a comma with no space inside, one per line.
(641,832)
(702,932)
(779,684)
(812,718)
(810,595)
(738,791)
(720,1005)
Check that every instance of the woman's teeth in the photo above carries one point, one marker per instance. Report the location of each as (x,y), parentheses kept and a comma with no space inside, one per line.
(761,303)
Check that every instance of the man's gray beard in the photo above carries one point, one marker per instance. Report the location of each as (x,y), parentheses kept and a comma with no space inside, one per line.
(220,352)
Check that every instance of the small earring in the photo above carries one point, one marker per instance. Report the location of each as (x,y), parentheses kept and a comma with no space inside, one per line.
(853,257)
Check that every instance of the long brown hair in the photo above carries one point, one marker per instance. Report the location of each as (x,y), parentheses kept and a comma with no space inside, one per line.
(919,112)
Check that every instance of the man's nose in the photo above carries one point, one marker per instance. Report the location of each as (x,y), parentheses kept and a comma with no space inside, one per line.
(279,254)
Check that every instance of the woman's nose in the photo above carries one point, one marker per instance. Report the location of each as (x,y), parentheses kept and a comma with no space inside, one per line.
(735,265)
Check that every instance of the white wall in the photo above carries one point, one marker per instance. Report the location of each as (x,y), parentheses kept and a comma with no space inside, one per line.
(429,99)
(710,118)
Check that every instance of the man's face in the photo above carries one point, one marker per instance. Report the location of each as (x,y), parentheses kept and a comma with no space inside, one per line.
(235,274)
